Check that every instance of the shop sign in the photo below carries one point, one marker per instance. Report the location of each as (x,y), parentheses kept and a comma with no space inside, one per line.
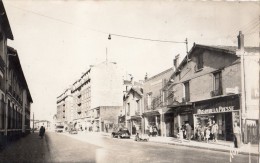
(232,90)
(219,109)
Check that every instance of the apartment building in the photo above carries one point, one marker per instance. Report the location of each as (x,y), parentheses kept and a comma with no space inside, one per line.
(15,97)
(96,98)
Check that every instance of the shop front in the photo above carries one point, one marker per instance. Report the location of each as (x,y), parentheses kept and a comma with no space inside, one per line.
(152,123)
(179,115)
(136,124)
(224,111)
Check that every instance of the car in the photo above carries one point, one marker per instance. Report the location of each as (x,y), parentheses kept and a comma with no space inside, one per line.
(59,128)
(73,131)
(121,133)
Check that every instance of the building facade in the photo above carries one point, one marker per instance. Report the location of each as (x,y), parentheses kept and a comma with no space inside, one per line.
(207,86)
(15,97)
(154,102)
(96,98)
(133,105)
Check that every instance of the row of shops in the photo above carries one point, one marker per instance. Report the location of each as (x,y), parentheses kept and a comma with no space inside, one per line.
(225,111)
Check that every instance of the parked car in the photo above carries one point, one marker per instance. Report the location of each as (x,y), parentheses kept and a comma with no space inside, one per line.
(121,133)
(59,128)
(73,131)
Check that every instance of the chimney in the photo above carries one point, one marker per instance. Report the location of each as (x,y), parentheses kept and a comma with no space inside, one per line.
(146,77)
(176,62)
(240,38)
(132,80)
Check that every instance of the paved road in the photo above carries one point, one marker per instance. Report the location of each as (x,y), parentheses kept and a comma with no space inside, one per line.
(95,148)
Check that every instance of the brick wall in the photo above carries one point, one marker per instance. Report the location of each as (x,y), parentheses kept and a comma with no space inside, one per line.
(201,82)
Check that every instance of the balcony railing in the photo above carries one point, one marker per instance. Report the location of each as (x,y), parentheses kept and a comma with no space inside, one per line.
(216,93)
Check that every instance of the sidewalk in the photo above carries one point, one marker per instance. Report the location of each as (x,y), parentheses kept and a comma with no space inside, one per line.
(26,149)
(224,146)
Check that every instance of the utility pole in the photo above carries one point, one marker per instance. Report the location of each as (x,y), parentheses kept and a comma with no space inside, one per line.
(259,105)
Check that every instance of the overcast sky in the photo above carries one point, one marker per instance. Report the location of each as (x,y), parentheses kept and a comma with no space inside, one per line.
(57,40)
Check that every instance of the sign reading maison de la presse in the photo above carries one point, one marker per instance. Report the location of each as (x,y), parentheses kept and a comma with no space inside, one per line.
(220,109)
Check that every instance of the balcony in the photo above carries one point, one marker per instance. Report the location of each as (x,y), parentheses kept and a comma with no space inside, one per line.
(216,93)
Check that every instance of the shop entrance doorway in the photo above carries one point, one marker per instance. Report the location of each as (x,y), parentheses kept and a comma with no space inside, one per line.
(229,126)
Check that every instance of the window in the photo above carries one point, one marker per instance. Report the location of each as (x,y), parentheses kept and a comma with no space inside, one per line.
(128,108)
(187,91)
(199,61)
(217,83)
(149,100)
(137,106)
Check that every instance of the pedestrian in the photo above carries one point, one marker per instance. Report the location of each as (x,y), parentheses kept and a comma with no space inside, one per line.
(184,131)
(42,131)
(151,131)
(188,131)
(155,132)
(214,131)
(181,134)
(134,130)
(237,136)
(207,135)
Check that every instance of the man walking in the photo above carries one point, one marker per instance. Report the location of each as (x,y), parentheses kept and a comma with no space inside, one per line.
(214,131)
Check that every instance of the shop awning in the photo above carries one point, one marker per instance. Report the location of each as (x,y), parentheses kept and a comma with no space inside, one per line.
(175,105)
(152,112)
(136,117)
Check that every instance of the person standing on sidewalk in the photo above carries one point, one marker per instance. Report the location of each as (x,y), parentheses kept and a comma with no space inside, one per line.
(188,131)
(207,135)
(214,131)
(237,136)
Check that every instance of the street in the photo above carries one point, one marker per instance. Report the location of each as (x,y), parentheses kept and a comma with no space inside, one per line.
(92,147)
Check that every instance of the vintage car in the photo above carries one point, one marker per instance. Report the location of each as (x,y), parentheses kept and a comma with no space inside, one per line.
(73,131)
(59,128)
(121,133)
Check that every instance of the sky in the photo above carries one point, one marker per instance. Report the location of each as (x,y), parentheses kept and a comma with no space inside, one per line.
(57,40)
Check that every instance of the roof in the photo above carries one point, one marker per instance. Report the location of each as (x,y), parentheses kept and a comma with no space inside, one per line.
(137,90)
(226,49)
(133,89)
(161,73)
(5,22)
(15,59)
